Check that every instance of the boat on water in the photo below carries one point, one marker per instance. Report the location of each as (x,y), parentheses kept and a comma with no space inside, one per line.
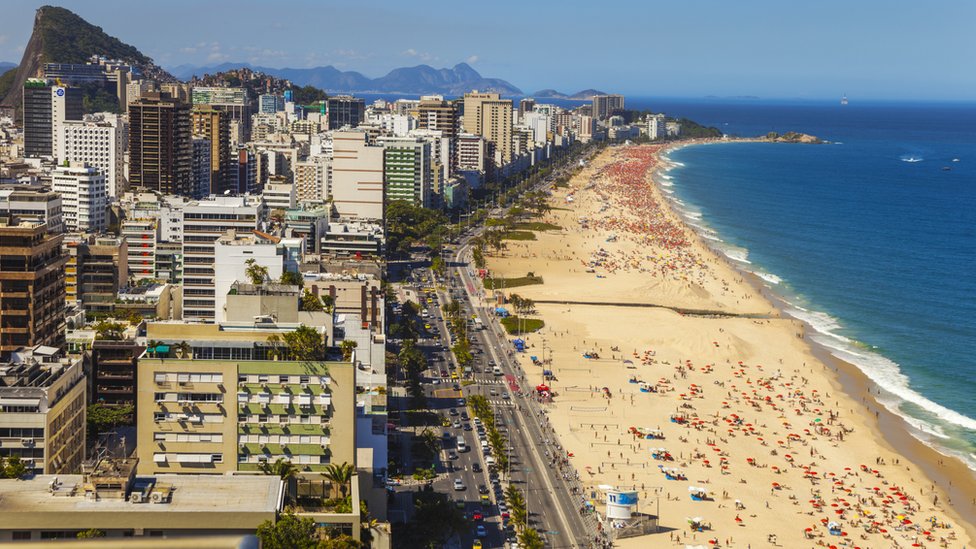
(843,100)
(911,159)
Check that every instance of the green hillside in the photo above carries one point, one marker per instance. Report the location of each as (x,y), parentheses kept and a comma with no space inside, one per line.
(67,38)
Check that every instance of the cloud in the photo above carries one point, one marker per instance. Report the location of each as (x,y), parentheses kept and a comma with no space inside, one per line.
(472,59)
(421,55)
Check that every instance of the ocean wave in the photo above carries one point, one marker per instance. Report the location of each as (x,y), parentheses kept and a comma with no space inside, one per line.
(708,236)
(878,368)
(771,278)
(667,184)
(736,254)
(911,158)
(666,176)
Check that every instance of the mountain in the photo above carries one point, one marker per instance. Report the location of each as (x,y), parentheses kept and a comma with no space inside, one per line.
(422,79)
(63,37)
(5,66)
(584,95)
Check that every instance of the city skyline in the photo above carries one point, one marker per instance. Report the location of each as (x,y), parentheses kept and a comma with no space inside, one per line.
(762,49)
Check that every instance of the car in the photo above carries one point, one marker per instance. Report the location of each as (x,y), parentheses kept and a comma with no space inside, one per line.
(482,489)
(477,544)
(502,508)
(452,455)
(443,373)
(477,516)
(476,467)
(435,381)
(457,387)
(453,411)
(480,531)
(459,485)
(456,424)
(460,402)
(485,500)
(464,416)
(506,396)
(493,392)
(460,504)
(467,426)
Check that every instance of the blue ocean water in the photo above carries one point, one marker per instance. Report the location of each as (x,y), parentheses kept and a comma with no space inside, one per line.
(870,239)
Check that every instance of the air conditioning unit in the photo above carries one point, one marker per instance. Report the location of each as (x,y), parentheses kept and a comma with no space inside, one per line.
(304,385)
(137,497)
(27,441)
(283,425)
(156,497)
(284,385)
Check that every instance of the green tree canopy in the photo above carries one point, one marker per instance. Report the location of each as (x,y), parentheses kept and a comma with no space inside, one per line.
(305,343)
(292,278)
(289,532)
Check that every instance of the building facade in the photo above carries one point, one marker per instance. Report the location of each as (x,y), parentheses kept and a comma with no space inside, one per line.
(84,197)
(160,148)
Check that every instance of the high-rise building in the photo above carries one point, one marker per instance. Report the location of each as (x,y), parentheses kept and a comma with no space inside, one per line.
(32,292)
(472,152)
(657,126)
(42,410)
(203,223)
(213,124)
(232,252)
(312,178)
(235,102)
(98,141)
(102,268)
(488,115)
(160,147)
(33,203)
(141,236)
(270,103)
(407,169)
(45,107)
(357,176)
(525,105)
(345,110)
(201,168)
(442,116)
(84,197)
(191,422)
(604,106)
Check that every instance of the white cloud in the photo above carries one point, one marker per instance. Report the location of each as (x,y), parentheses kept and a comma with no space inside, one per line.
(421,55)
(472,59)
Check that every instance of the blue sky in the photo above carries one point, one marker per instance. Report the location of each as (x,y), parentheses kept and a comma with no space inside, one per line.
(783,49)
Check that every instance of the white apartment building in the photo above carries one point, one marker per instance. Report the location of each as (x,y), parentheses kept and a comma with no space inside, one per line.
(657,126)
(279,195)
(204,222)
(99,141)
(29,202)
(231,253)
(141,236)
(472,152)
(84,197)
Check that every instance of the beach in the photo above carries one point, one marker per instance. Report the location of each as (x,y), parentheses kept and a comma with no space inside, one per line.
(675,376)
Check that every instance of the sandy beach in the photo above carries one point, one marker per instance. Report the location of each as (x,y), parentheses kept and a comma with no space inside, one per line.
(701,383)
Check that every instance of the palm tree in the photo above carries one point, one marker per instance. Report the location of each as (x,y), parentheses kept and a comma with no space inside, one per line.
(340,476)
(183,350)
(281,468)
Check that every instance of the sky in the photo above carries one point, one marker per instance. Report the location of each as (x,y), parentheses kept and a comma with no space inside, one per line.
(821,49)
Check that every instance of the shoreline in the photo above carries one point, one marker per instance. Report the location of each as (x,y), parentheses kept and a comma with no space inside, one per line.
(694,283)
(951,475)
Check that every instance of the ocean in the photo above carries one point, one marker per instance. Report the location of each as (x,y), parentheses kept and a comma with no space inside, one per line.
(871,239)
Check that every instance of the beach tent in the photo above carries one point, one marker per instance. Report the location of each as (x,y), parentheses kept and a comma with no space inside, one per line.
(501,311)
(519,345)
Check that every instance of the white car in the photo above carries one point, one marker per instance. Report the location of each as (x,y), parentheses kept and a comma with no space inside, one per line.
(458,485)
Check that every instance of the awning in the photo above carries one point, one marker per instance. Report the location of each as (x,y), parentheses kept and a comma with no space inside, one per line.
(194,458)
(159,458)
(20,402)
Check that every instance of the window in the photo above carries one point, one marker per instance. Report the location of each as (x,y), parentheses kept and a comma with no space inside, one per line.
(159,416)
(282,379)
(217,458)
(21,535)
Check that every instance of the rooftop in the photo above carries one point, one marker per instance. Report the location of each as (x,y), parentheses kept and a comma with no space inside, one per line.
(189,494)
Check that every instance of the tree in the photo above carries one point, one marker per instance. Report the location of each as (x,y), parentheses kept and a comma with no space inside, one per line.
(310,302)
(339,475)
(289,532)
(274,346)
(341,542)
(281,468)
(13,467)
(183,350)
(530,539)
(102,418)
(109,330)
(347,345)
(90,534)
(292,278)
(328,302)
(257,274)
(305,344)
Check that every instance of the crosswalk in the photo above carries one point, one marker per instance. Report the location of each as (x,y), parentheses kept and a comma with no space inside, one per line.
(500,402)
